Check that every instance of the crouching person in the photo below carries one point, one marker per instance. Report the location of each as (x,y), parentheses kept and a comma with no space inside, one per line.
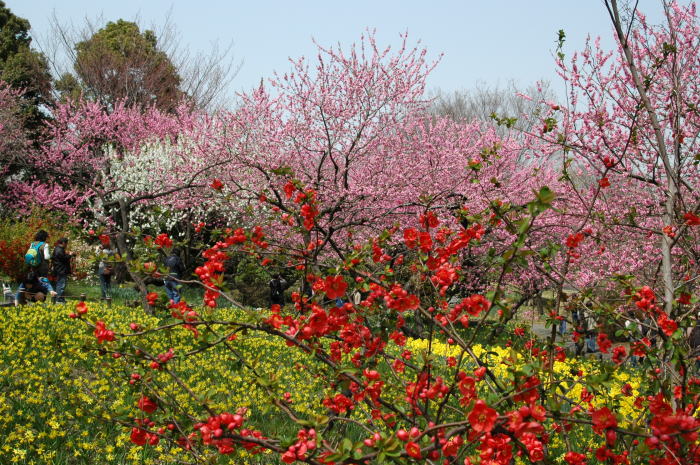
(33,289)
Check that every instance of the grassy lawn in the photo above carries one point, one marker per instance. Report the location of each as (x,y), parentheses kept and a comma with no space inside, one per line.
(123,294)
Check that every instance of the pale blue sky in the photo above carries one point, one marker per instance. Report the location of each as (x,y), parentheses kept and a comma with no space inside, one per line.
(482,41)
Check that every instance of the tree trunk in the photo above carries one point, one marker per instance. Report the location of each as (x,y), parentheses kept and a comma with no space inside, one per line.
(125,251)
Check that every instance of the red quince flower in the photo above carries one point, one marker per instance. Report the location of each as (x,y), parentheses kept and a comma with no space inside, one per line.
(410,237)
(482,417)
(102,333)
(667,325)
(147,405)
(426,242)
(163,241)
(476,304)
(574,458)
(604,343)
(216,184)
(691,219)
(82,308)
(619,354)
(413,450)
(429,220)
(152,298)
(684,298)
(603,419)
(574,240)
(289,189)
(335,287)
(139,436)
(104,239)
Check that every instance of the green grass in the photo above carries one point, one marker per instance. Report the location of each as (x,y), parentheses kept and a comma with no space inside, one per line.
(125,293)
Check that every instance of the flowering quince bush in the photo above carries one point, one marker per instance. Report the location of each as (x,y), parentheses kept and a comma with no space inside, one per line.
(384,396)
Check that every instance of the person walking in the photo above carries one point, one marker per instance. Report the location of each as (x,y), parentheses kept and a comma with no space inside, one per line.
(175,270)
(61,262)
(105,270)
(277,286)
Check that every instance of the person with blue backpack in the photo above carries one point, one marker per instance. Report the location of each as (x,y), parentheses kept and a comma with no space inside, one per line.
(38,255)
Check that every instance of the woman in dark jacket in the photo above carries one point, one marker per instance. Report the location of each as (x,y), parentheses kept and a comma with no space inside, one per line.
(61,267)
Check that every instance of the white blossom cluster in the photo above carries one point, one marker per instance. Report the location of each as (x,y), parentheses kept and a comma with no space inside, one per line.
(159,166)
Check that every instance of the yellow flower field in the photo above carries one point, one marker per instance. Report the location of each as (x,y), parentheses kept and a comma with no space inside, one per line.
(60,400)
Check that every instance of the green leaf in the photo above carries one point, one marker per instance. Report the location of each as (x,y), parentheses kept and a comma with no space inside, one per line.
(546,196)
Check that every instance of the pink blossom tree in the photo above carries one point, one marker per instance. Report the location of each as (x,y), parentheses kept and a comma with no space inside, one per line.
(355,129)
(627,136)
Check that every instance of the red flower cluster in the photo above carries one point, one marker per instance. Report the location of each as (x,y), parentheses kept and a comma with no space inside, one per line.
(494,450)
(398,299)
(645,299)
(306,441)
(102,333)
(684,298)
(444,277)
(429,220)
(413,450)
(410,237)
(141,437)
(147,405)
(603,419)
(214,429)
(335,287)
(163,241)
(163,359)
(667,325)
(474,305)
(619,354)
(691,219)
(81,308)
(289,189)
(216,184)
(574,240)
(604,343)
(104,240)
(574,458)
(152,298)
(339,404)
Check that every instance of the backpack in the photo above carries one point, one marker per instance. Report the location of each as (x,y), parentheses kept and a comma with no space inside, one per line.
(34,257)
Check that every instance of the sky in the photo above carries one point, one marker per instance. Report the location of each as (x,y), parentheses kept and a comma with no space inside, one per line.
(485,42)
